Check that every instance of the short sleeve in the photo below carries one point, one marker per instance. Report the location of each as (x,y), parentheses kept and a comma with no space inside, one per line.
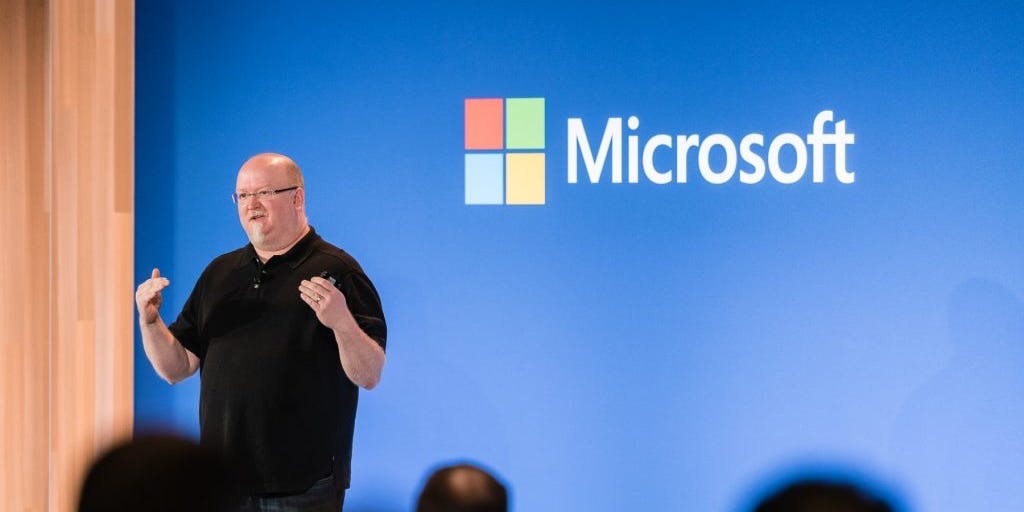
(364,303)
(186,327)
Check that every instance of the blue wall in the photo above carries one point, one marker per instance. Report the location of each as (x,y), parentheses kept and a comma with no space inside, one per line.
(670,347)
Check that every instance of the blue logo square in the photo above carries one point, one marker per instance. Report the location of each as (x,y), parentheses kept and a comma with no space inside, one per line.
(485,178)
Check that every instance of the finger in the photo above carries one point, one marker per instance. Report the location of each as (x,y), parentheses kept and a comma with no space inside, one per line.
(153,284)
(156,273)
(153,288)
(318,298)
(308,299)
(328,289)
(311,288)
(156,285)
(323,283)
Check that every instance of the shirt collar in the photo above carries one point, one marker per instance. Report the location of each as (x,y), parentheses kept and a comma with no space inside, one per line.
(295,256)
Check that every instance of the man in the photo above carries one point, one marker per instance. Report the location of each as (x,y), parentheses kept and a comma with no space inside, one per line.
(462,488)
(281,349)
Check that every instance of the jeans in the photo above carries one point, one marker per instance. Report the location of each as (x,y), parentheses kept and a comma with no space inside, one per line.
(322,497)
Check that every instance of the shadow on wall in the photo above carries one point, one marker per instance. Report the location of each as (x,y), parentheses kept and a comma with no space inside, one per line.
(960,436)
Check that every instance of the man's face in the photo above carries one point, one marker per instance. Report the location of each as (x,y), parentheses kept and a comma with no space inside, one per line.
(274,222)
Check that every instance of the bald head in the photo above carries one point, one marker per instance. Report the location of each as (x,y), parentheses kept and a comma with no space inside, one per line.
(271,203)
(462,488)
(275,162)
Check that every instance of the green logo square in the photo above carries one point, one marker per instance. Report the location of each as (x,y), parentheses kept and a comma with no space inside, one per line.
(524,123)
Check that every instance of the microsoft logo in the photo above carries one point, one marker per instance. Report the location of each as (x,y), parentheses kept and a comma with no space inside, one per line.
(505,162)
(504,151)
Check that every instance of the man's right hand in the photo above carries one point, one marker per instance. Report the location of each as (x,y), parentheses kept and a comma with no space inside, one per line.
(148,297)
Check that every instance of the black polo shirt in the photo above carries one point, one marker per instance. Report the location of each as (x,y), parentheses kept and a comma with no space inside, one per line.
(274,397)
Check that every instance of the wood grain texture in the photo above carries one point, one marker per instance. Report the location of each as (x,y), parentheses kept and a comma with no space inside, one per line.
(66,316)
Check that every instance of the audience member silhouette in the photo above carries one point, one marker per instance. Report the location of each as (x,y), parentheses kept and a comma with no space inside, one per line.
(822,496)
(462,488)
(158,474)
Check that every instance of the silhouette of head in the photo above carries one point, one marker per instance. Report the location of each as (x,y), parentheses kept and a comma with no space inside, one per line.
(462,488)
(158,473)
(822,496)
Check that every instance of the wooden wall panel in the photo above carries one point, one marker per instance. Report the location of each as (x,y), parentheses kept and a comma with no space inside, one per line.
(24,257)
(66,309)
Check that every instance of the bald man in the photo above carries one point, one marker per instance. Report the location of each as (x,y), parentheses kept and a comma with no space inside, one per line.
(282,351)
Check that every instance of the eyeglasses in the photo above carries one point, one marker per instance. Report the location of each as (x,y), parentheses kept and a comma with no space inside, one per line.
(262,194)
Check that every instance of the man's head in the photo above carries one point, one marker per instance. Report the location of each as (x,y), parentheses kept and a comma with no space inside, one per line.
(159,472)
(822,496)
(276,220)
(462,488)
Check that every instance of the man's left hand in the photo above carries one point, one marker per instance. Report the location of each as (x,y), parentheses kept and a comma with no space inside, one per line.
(326,301)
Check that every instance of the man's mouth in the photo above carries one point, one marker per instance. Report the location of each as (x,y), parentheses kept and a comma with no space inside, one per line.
(257,215)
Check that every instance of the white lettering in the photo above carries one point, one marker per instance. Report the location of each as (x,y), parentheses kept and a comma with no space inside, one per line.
(704,162)
(612,137)
(752,158)
(683,145)
(787,178)
(652,174)
(840,139)
(634,161)
(750,150)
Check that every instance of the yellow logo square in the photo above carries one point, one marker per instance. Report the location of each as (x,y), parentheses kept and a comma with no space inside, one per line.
(524,178)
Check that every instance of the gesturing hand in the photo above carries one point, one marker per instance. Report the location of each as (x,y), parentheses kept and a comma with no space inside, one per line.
(148,297)
(327,302)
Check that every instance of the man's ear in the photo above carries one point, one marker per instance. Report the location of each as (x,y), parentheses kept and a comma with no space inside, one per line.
(300,198)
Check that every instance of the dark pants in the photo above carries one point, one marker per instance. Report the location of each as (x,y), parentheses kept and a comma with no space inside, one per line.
(322,497)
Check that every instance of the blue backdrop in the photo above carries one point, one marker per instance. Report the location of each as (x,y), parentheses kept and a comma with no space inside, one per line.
(670,347)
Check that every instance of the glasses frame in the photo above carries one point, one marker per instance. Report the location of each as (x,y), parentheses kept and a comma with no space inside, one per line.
(261,194)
